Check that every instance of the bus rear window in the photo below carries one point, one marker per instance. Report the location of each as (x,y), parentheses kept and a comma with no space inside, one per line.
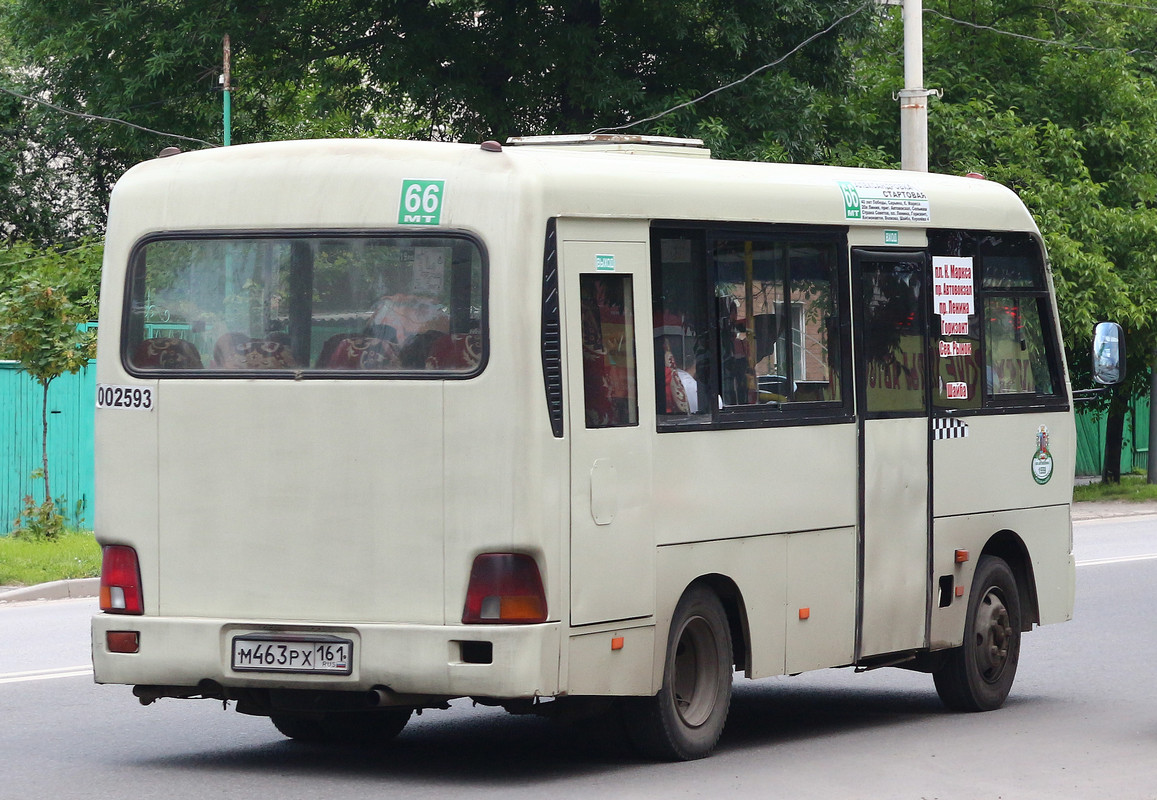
(328,304)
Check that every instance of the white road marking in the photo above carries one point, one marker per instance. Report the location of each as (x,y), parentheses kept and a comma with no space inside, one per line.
(1096,562)
(45,674)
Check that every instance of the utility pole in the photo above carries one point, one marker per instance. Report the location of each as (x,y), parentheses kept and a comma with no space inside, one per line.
(914,97)
(226,88)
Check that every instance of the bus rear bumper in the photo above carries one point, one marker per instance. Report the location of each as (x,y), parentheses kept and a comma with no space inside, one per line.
(499,661)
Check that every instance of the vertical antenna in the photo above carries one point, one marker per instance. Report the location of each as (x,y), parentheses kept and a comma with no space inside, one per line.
(226,88)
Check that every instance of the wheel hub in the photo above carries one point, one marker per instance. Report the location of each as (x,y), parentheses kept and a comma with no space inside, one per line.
(993,635)
(694,691)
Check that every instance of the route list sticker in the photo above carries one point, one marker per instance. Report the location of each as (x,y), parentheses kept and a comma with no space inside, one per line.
(884,201)
(953,300)
(953,295)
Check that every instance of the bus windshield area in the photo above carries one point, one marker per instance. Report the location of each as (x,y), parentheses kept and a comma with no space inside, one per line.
(306,303)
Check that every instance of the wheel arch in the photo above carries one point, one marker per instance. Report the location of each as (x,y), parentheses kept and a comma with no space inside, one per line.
(735,608)
(1007,545)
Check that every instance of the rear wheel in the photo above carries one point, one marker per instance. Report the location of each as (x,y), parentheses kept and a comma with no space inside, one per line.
(684,720)
(978,675)
(345,727)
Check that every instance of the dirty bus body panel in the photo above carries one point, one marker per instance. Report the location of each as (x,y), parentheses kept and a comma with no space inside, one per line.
(410,421)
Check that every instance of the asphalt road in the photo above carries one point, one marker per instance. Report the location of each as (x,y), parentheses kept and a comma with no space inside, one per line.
(1081,723)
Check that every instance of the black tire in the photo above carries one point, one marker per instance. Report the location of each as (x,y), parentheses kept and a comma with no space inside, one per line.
(684,720)
(978,675)
(364,728)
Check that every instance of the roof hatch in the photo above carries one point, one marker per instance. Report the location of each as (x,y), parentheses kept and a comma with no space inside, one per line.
(617,143)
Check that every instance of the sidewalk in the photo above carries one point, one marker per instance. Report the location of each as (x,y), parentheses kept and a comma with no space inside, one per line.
(1112,509)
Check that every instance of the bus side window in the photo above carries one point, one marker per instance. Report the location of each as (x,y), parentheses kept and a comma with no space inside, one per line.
(776,299)
(1014,347)
(683,369)
(608,341)
(744,321)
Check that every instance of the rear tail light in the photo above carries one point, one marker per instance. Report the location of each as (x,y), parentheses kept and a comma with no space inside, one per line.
(120,581)
(504,588)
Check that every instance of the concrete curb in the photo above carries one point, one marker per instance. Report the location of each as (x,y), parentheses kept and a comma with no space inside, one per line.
(55,590)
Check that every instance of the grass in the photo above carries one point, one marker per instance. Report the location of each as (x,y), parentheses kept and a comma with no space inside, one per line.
(1133,488)
(24,562)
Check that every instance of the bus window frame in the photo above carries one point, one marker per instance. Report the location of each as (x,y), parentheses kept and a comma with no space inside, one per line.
(825,412)
(133,273)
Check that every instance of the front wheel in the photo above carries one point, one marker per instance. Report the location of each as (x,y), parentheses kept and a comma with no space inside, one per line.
(978,675)
(684,720)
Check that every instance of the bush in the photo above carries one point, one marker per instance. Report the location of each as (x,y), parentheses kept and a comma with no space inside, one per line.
(39,521)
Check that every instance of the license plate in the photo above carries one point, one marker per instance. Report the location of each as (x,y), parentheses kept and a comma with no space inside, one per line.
(327,655)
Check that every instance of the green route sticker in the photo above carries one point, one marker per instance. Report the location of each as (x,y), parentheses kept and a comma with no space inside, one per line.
(421,202)
(851,200)
(605,263)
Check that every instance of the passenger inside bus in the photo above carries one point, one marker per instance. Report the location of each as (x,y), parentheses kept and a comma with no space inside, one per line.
(682,391)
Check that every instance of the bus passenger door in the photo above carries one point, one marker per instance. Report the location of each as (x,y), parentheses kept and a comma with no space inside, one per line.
(892,404)
(604,294)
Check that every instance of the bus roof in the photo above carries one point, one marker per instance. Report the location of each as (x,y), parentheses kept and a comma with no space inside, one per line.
(357,183)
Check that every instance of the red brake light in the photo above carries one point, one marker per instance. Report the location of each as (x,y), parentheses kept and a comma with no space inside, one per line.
(120,581)
(504,588)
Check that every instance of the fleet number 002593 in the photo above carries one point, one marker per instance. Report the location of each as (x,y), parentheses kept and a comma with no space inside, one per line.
(136,397)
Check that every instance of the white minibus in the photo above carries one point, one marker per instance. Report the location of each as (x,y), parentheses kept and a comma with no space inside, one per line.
(382,424)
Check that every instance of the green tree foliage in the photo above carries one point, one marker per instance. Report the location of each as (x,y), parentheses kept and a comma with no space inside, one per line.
(438,69)
(44,193)
(1058,101)
(45,296)
(1066,117)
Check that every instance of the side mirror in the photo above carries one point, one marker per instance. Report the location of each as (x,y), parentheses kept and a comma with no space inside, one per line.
(1108,353)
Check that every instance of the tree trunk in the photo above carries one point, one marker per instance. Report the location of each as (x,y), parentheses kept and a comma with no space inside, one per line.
(44,440)
(1114,433)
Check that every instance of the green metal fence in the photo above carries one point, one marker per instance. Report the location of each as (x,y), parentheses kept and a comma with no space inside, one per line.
(1134,444)
(71,401)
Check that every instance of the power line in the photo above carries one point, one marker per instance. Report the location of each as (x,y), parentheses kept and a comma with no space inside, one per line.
(99,118)
(749,75)
(1026,37)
